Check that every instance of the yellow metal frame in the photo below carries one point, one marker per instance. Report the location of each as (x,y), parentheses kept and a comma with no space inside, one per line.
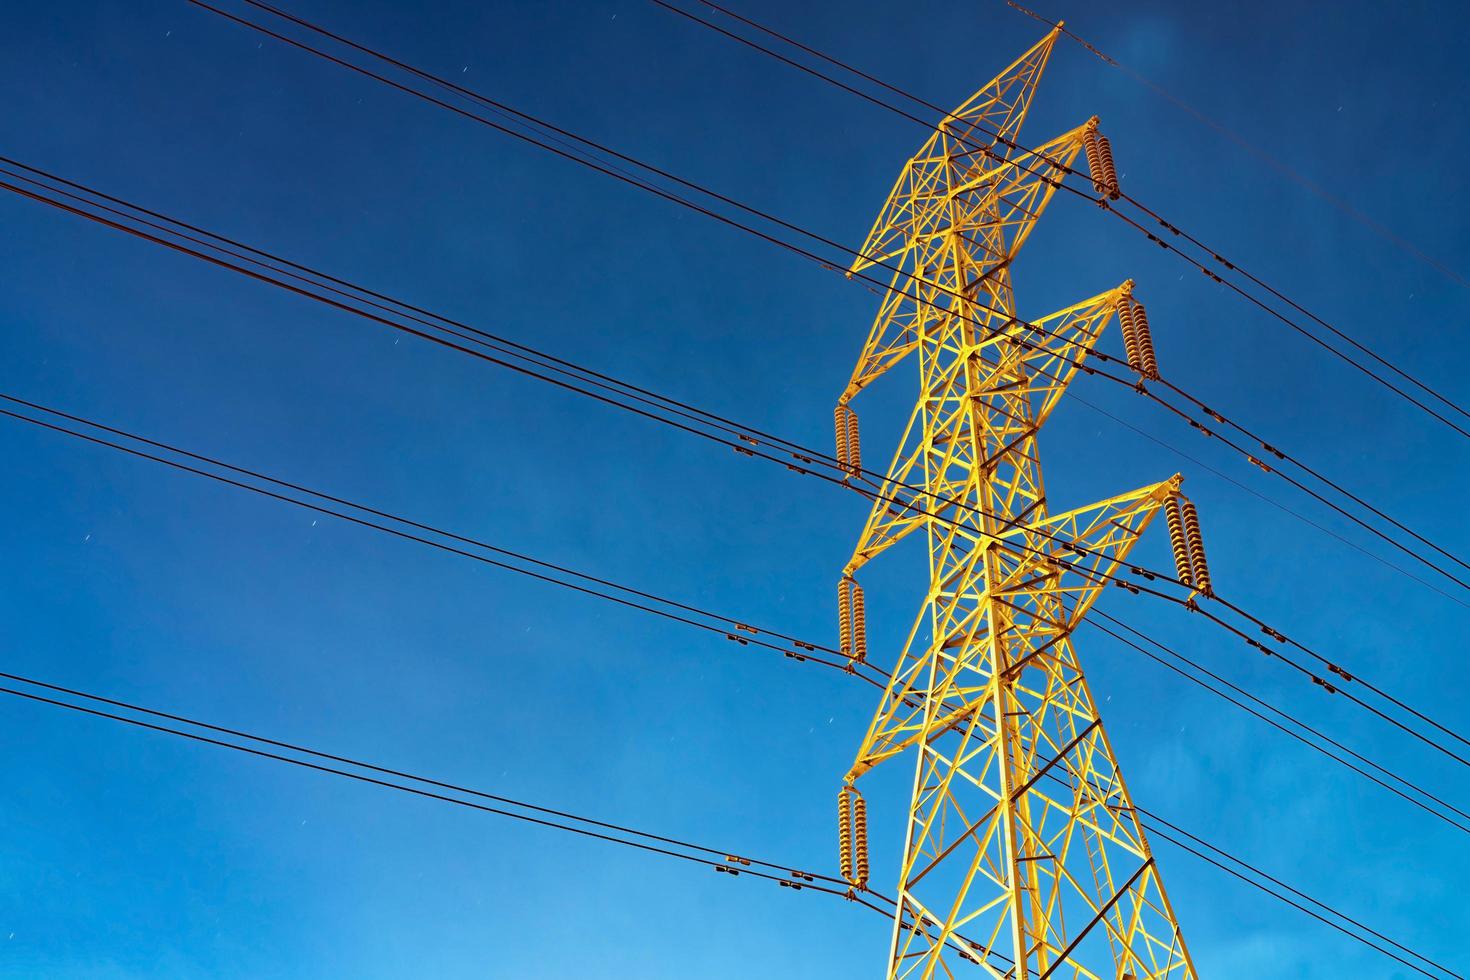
(1022,837)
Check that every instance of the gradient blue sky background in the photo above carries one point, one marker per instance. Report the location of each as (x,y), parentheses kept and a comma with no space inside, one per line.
(124,854)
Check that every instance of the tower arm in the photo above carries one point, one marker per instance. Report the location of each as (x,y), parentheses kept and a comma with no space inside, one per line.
(916,226)
(1093,541)
(1034,576)
(1063,341)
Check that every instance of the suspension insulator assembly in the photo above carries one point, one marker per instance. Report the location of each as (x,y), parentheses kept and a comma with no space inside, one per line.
(1148,364)
(839,423)
(1100,163)
(1094,155)
(844,833)
(852,836)
(1179,542)
(1196,549)
(844,615)
(1130,334)
(852,619)
(1110,171)
(854,445)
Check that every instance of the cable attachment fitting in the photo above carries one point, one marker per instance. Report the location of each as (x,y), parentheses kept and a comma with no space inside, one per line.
(1100,164)
(852,836)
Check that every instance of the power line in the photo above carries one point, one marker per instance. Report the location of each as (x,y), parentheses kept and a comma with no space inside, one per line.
(350,775)
(727,622)
(731,628)
(1317,733)
(343,289)
(723,860)
(331,513)
(376,300)
(241,485)
(387,771)
(1263,881)
(1266,156)
(1343,674)
(726,626)
(797,878)
(1155,831)
(750,447)
(1201,464)
(500,107)
(1072,172)
(1229,266)
(720,859)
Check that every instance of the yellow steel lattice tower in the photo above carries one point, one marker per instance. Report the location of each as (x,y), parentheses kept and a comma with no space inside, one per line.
(1023,853)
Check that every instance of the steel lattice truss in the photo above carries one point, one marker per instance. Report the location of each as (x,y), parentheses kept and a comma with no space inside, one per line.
(1023,853)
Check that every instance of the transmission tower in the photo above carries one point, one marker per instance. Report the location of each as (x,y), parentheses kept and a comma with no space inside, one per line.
(1023,854)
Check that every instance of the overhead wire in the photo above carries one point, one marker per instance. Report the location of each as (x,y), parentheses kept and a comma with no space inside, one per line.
(1306,672)
(729,627)
(1320,917)
(321,510)
(386,304)
(1229,266)
(121,719)
(1323,737)
(560,133)
(436,530)
(1266,446)
(388,771)
(623,176)
(1265,155)
(730,861)
(1265,498)
(725,860)
(382,770)
(749,447)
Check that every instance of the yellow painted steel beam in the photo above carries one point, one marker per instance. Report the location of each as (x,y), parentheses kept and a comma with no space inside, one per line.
(1022,843)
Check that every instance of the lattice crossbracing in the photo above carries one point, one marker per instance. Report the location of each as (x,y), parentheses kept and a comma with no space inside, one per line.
(1024,854)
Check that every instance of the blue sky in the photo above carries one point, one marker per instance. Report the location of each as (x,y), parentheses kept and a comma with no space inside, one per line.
(126,855)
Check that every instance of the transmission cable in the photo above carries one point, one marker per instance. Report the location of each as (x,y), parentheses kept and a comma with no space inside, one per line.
(122,719)
(319,510)
(749,450)
(1163,835)
(731,628)
(1069,171)
(726,861)
(856,667)
(1324,737)
(1275,163)
(346,290)
(623,176)
(1072,172)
